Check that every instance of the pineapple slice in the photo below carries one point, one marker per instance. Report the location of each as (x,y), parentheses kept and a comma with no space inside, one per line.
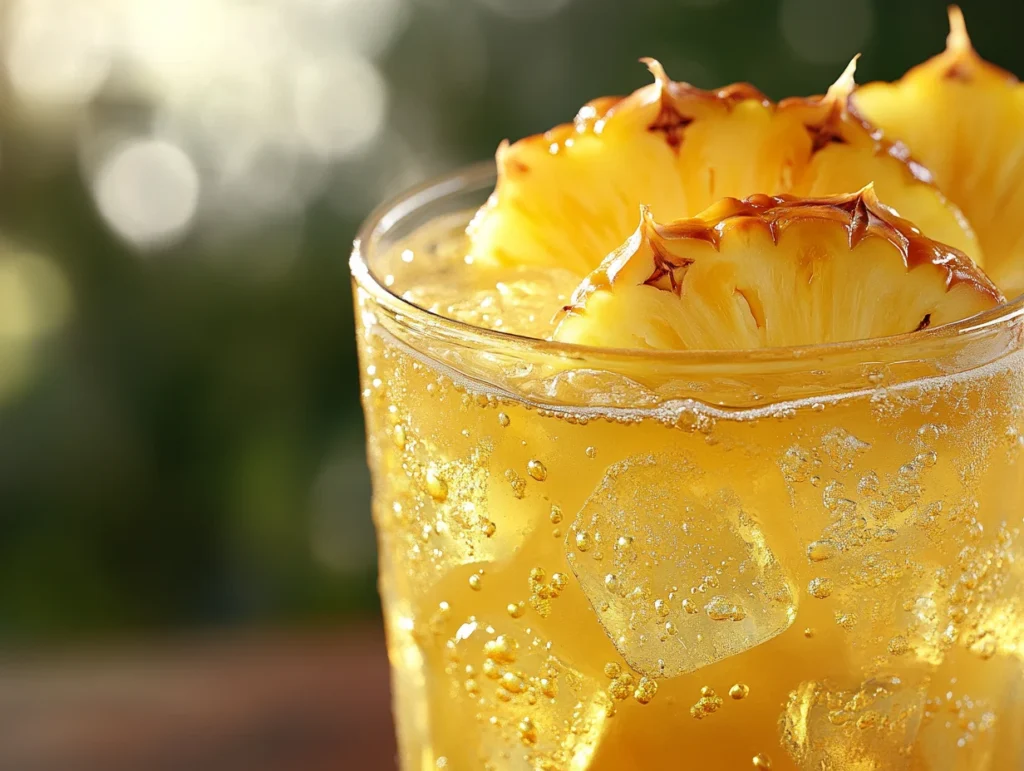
(964,119)
(774,271)
(570,196)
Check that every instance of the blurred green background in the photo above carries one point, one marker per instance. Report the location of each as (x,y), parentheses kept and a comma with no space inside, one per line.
(180,436)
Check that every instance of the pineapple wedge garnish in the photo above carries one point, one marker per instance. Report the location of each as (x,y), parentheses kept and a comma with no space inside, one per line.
(774,271)
(964,119)
(570,196)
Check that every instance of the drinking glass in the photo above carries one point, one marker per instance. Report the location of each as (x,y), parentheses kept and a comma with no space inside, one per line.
(800,558)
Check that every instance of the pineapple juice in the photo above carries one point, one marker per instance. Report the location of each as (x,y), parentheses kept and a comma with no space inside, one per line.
(606,561)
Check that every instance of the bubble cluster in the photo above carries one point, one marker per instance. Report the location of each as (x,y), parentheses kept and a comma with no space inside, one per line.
(645,690)
(842,448)
(524,700)
(516,482)
(543,591)
(708,704)
(820,587)
(898,645)
(622,686)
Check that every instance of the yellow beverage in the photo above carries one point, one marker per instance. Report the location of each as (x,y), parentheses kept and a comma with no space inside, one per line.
(788,559)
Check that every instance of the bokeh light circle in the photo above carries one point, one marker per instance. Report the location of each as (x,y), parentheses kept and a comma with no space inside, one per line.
(148,191)
(340,106)
(58,52)
(35,296)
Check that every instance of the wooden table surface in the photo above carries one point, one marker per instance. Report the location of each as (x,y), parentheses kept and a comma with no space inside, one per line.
(262,702)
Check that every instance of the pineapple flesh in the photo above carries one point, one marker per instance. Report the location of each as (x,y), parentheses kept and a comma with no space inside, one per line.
(568,197)
(774,271)
(964,119)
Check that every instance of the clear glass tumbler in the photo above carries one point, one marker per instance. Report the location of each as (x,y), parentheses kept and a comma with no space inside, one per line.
(805,558)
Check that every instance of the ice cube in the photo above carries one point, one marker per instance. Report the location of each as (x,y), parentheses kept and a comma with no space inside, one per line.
(448,502)
(434,515)
(866,728)
(517,705)
(892,605)
(973,711)
(1009,738)
(675,570)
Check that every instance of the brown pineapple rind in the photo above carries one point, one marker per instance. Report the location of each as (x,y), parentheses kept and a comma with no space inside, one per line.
(794,131)
(861,214)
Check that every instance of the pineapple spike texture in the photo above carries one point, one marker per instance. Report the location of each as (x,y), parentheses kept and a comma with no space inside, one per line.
(962,117)
(657,70)
(839,92)
(958,40)
(569,196)
(730,277)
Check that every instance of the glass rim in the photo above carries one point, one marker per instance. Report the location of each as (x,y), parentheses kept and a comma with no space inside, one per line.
(392,211)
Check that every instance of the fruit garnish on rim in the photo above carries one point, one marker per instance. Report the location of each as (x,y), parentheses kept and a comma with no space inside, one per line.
(774,271)
(964,119)
(570,196)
